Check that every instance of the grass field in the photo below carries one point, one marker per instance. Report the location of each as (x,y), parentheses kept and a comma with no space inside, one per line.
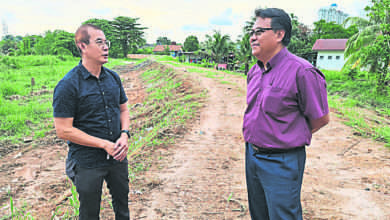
(26,86)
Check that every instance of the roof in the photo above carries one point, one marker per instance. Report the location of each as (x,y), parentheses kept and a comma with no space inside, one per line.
(161,48)
(330,44)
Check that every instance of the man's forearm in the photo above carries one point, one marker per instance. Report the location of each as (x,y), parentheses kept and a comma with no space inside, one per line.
(77,136)
(319,123)
(125,118)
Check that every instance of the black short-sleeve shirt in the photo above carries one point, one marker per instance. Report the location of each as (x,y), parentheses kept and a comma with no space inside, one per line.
(94,104)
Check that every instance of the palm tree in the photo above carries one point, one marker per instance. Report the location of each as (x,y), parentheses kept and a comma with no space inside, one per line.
(245,52)
(370,47)
(217,45)
(355,51)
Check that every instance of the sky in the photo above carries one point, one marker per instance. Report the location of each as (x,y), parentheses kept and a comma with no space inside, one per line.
(175,19)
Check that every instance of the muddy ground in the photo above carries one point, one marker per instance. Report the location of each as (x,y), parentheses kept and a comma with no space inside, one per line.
(201,176)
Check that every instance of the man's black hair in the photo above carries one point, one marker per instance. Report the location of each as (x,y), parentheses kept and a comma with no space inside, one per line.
(280,20)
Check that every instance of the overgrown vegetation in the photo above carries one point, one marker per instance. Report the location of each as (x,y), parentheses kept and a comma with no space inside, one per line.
(171,101)
(26,86)
(355,99)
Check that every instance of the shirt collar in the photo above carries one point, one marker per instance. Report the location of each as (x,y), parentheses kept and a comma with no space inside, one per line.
(86,74)
(274,60)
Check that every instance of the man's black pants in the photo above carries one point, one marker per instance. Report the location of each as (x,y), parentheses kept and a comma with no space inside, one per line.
(89,183)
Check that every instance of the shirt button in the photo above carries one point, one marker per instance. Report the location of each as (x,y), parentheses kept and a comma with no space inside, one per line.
(106,106)
(103,93)
(110,132)
(109,120)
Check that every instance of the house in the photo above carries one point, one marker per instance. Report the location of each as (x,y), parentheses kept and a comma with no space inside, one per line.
(173,49)
(330,53)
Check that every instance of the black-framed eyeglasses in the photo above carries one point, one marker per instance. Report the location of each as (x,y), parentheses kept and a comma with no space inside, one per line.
(258,31)
(102,43)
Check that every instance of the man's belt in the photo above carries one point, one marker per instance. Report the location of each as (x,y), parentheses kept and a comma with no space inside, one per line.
(263,150)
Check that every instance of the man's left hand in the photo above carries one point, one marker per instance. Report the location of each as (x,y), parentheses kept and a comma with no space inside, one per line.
(121,148)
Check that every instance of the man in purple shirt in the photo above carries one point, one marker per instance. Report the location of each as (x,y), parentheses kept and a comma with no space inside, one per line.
(286,104)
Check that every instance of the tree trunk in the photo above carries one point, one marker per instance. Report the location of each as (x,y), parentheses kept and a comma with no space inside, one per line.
(381,87)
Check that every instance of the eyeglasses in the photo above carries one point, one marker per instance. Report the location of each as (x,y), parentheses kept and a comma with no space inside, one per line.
(102,43)
(258,31)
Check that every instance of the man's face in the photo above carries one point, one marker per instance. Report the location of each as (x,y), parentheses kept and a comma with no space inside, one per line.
(265,41)
(97,49)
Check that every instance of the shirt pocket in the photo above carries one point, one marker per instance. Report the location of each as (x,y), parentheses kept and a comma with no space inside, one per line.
(277,101)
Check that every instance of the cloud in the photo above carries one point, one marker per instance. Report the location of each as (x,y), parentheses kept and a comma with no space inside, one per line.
(102,11)
(194,27)
(226,18)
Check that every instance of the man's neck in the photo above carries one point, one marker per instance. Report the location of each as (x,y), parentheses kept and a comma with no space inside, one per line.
(92,67)
(266,59)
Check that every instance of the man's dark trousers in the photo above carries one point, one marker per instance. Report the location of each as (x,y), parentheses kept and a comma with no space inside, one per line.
(89,184)
(274,183)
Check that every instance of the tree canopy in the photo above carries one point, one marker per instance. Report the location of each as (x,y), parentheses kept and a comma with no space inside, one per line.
(370,46)
(125,34)
(191,43)
(163,41)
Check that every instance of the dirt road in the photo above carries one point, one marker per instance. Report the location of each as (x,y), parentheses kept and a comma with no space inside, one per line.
(202,175)
(346,177)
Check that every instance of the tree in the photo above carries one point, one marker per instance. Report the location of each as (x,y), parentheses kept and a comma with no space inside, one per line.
(125,34)
(163,41)
(191,43)
(370,47)
(129,34)
(245,52)
(25,47)
(331,30)
(57,42)
(218,45)
(300,42)
(9,44)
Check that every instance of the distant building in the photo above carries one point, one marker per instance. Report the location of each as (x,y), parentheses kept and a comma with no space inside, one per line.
(330,53)
(5,28)
(331,13)
(173,49)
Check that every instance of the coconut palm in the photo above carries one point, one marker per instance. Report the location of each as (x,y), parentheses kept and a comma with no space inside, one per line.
(217,45)
(355,51)
(370,47)
(244,54)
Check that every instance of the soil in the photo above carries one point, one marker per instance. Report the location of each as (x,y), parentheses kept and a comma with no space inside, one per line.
(202,175)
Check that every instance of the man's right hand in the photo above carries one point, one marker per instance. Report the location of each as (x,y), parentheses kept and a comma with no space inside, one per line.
(109,147)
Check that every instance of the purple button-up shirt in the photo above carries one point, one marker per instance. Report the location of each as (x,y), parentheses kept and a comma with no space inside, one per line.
(281,100)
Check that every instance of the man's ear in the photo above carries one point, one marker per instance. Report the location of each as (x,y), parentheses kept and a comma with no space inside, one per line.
(280,35)
(80,47)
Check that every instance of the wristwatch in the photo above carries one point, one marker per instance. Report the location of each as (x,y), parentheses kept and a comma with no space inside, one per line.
(127,132)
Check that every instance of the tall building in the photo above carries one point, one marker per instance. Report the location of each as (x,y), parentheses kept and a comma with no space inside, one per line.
(331,13)
(5,28)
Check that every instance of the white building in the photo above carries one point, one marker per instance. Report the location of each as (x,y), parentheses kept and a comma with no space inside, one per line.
(330,53)
(331,13)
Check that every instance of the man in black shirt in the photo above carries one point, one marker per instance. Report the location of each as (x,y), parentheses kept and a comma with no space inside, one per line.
(90,112)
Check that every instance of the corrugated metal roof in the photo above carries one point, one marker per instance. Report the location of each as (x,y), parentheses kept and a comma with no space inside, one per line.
(329,44)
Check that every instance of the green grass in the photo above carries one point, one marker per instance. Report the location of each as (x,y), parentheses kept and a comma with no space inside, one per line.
(352,99)
(162,116)
(18,213)
(21,113)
